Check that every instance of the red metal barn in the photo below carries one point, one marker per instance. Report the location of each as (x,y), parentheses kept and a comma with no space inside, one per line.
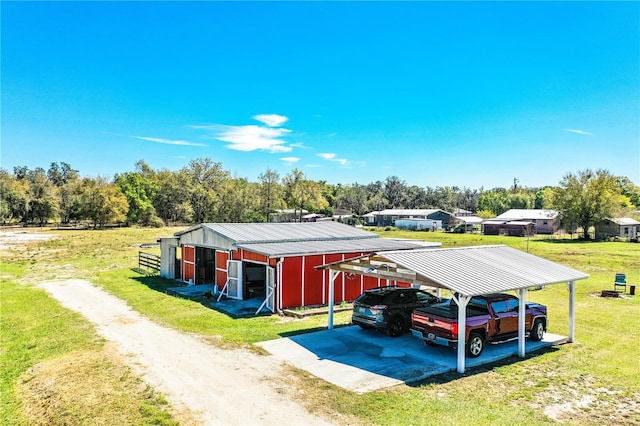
(274,261)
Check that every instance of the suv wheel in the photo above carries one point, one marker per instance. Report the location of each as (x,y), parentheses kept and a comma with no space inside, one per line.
(395,327)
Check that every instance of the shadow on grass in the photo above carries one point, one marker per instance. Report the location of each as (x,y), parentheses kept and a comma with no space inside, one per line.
(310,330)
(484,368)
(234,309)
(565,241)
(154,282)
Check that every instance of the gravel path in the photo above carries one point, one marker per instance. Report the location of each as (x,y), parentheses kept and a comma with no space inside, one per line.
(216,386)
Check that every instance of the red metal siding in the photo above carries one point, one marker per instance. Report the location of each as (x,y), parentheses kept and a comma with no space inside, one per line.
(254,257)
(330,258)
(291,291)
(313,280)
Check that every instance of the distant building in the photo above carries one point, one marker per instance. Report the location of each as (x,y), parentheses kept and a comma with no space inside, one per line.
(462,213)
(389,217)
(545,221)
(622,227)
(419,224)
(286,215)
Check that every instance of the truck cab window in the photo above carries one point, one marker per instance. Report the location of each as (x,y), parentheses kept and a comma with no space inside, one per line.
(500,306)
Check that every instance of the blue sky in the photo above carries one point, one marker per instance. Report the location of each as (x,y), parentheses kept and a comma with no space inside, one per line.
(455,93)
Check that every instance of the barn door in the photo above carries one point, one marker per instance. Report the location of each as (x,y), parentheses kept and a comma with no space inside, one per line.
(270,286)
(234,279)
(188,263)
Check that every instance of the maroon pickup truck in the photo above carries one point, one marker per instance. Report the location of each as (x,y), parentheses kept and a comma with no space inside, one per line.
(490,318)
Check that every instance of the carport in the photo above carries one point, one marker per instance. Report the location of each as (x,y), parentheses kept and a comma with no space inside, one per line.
(465,272)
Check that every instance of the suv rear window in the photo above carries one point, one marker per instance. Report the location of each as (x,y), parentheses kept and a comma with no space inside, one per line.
(372,299)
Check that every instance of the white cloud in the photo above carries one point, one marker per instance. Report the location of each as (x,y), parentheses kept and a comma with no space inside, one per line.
(580,132)
(250,138)
(168,141)
(290,160)
(271,120)
(330,156)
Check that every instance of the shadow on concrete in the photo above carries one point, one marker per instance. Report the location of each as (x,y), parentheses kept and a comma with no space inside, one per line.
(365,360)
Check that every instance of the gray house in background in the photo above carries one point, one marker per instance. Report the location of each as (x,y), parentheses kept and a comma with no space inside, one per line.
(388,217)
(622,227)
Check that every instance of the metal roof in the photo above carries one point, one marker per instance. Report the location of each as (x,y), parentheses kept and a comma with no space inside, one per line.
(299,248)
(245,233)
(409,212)
(519,214)
(475,220)
(483,269)
(466,270)
(624,221)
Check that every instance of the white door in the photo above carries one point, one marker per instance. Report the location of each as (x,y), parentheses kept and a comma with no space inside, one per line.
(270,285)
(234,279)
(271,288)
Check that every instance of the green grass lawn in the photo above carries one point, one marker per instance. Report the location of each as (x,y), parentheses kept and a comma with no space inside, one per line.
(596,376)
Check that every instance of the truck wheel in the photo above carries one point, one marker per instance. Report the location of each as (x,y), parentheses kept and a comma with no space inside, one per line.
(395,327)
(537,332)
(475,345)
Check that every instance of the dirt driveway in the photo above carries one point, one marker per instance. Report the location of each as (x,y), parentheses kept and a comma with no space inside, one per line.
(216,386)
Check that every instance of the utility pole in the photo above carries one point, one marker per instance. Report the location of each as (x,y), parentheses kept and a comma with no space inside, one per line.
(515,184)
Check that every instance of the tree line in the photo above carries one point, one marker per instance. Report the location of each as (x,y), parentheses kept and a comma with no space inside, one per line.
(203,191)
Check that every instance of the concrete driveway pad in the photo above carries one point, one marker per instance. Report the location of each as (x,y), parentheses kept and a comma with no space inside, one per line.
(366,360)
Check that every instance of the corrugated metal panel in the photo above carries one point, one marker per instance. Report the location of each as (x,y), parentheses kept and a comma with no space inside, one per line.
(243,233)
(483,269)
(299,248)
(409,212)
(531,214)
(625,221)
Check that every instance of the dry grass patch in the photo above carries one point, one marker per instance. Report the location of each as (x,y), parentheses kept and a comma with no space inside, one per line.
(89,388)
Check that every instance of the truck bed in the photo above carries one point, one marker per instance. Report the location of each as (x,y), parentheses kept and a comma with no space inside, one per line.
(449,311)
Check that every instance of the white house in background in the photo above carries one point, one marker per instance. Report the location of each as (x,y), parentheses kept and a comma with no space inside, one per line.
(545,221)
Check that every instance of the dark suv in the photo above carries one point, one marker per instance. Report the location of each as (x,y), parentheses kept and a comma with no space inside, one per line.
(389,308)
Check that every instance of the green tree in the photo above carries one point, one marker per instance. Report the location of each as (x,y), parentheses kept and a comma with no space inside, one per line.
(102,202)
(352,198)
(415,198)
(206,185)
(395,192)
(172,201)
(70,196)
(495,201)
(61,174)
(240,202)
(140,192)
(14,198)
(43,198)
(270,192)
(585,198)
(301,193)
(630,190)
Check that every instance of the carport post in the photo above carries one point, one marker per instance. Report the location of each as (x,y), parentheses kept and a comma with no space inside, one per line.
(571,285)
(521,317)
(462,330)
(332,277)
